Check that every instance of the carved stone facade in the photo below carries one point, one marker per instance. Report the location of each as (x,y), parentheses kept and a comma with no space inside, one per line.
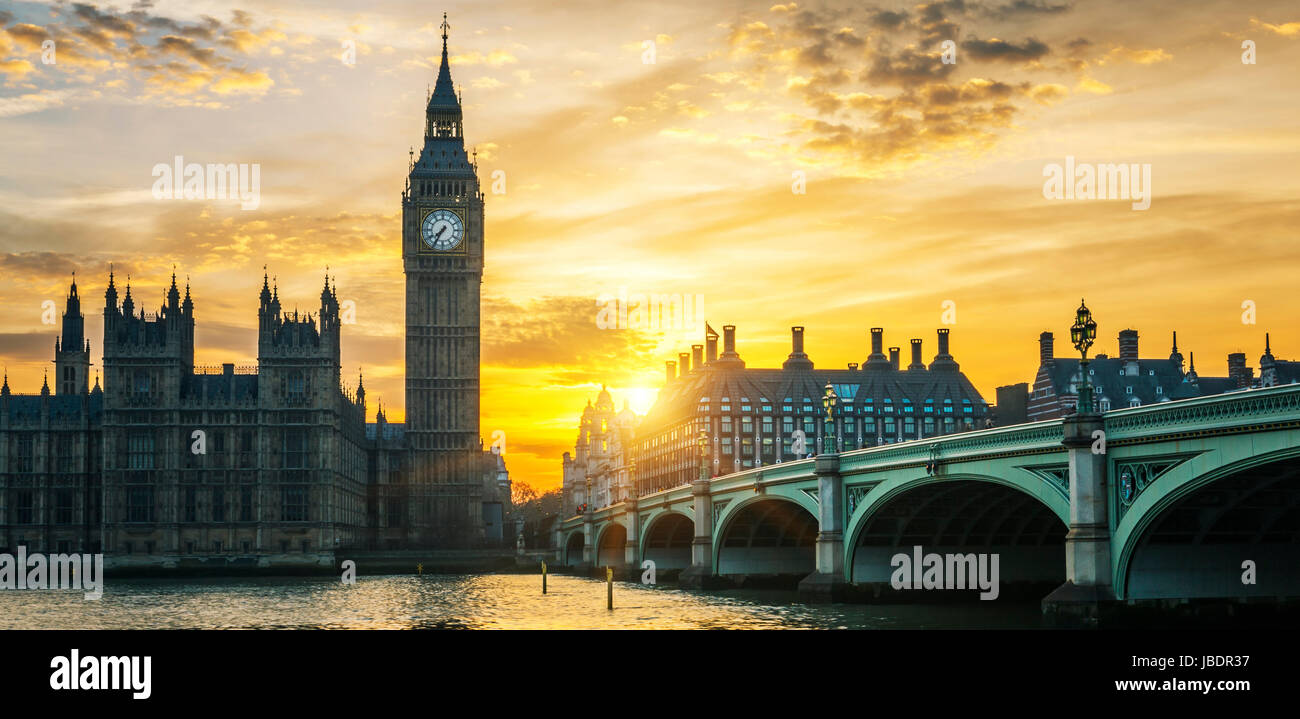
(602,456)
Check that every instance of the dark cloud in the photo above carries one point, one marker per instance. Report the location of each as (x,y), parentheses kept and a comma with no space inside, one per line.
(1002,51)
(935,22)
(846,37)
(107,22)
(1027,7)
(822,36)
(887,19)
(816,56)
(907,69)
(29,36)
(38,265)
(27,347)
(205,57)
(942,95)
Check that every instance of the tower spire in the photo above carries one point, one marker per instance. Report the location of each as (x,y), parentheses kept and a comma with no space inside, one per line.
(444,91)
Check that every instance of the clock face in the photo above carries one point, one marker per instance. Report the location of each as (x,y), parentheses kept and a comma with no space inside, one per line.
(442,230)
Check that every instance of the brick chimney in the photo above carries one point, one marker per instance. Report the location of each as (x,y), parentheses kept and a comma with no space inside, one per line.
(893,357)
(1045,343)
(943,360)
(729,354)
(798,359)
(877,357)
(1238,372)
(670,371)
(1128,351)
(697,356)
(917,362)
(683,363)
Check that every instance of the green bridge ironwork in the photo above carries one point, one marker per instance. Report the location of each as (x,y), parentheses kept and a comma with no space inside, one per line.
(1182,499)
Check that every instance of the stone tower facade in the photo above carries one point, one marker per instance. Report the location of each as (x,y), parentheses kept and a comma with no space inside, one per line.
(442,256)
(72,350)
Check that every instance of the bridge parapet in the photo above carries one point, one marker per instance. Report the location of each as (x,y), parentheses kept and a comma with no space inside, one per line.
(1236,409)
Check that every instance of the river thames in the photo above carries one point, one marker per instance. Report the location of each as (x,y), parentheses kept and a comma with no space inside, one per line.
(479,601)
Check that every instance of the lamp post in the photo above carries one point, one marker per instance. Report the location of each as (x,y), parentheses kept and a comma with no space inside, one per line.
(586,499)
(631,479)
(1082,333)
(703,444)
(829,400)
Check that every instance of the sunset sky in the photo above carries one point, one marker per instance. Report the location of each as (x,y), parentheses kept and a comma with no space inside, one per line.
(924,180)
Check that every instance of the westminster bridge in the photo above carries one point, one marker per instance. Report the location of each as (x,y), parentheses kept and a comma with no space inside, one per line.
(1180,500)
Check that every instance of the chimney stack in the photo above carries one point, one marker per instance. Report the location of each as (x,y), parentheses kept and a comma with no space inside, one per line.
(670,371)
(1045,351)
(729,355)
(683,363)
(893,357)
(917,362)
(711,341)
(697,356)
(1128,351)
(798,359)
(853,365)
(944,360)
(1238,372)
(877,357)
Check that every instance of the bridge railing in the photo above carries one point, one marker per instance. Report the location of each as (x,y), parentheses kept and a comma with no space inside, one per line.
(1232,409)
(1047,433)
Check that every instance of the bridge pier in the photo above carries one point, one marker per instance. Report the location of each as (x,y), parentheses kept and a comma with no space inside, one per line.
(1087,593)
(700,574)
(559,541)
(827,583)
(588,542)
(630,547)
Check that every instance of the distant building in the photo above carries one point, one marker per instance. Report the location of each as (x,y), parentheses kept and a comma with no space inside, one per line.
(1131,381)
(757,417)
(1013,400)
(602,455)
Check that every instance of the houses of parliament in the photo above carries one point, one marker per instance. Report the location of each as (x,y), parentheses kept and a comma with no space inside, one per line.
(170,464)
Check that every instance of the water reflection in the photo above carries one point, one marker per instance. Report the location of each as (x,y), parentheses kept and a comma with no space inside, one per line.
(506,601)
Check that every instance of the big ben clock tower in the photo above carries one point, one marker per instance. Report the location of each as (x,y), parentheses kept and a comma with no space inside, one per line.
(442,257)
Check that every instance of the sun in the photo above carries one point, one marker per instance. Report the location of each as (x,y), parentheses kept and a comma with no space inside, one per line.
(640,399)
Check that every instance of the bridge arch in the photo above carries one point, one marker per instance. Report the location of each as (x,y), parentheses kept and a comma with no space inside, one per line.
(769,536)
(610,545)
(1023,522)
(1189,532)
(573,548)
(666,541)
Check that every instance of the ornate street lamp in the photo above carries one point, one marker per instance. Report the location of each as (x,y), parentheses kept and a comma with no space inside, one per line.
(586,500)
(703,444)
(1082,333)
(829,399)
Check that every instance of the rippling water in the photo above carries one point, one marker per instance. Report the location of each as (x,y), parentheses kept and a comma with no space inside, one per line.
(492,601)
